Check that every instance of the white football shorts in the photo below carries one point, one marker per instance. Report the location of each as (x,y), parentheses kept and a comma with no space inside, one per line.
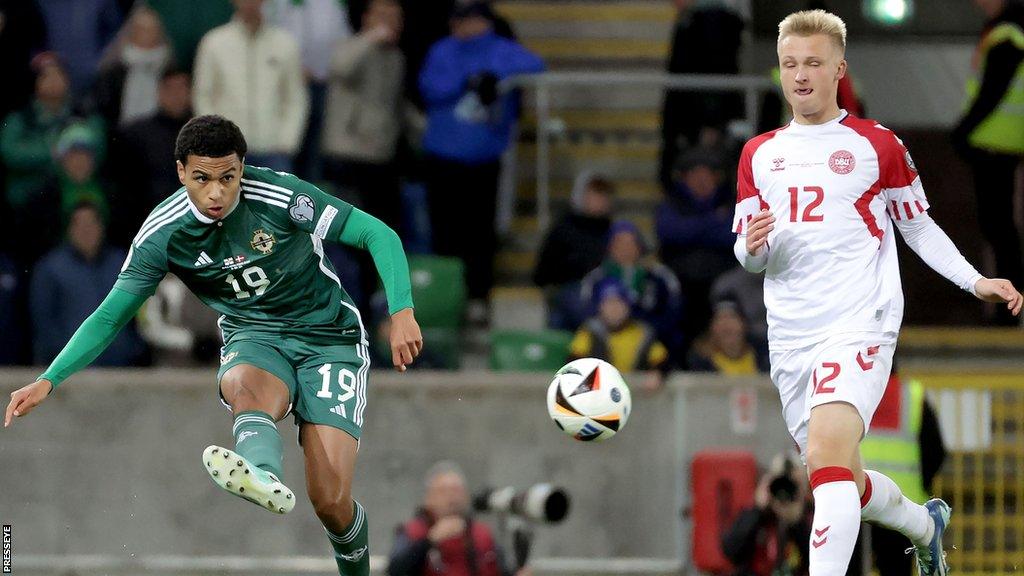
(852,368)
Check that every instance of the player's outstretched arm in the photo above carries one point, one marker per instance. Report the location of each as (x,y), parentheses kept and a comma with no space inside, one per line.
(91,339)
(934,247)
(363,231)
(1000,291)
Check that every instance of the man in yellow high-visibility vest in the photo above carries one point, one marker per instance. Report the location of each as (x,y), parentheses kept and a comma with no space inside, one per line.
(906,445)
(990,136)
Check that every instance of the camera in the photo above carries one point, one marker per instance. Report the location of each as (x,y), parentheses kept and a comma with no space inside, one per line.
(540,502)
(782,487)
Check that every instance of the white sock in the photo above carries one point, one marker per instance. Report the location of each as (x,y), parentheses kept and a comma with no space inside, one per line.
(836,520)
(885,505)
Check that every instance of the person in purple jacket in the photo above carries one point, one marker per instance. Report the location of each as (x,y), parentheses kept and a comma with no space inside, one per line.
(469,125)
(694,228)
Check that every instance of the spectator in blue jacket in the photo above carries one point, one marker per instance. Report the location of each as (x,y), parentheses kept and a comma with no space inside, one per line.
(694,227)
(69,283)
(79,31)
(469,126)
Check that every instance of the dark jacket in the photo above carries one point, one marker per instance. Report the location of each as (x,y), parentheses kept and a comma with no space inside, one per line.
(22,35)
(14,336)
(571,249)
(65,290)
(695,234)
(108,92)
(758,546)
(143,153)
(704,41)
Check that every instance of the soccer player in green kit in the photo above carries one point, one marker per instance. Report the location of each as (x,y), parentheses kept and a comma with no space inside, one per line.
(248,242)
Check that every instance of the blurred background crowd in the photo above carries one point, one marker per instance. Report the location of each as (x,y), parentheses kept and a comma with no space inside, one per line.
(409,110)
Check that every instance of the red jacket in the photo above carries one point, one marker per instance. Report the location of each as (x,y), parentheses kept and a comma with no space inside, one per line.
(475,553)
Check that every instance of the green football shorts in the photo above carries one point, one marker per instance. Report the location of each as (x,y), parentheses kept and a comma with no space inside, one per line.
(326,383)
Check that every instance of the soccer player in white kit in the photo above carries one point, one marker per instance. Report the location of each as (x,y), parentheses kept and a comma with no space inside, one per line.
(818,201)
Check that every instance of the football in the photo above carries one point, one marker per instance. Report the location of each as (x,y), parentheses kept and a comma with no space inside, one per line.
(589,400)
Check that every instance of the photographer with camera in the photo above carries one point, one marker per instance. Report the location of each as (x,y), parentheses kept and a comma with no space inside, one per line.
(771,538)
(443,538)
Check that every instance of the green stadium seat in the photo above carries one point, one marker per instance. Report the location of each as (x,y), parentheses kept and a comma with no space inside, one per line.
(438,290)
(529,351)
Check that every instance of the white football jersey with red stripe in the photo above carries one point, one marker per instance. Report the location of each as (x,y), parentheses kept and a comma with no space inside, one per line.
(833,188)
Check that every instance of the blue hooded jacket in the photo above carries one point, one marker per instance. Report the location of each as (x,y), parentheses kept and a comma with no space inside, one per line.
(459,127)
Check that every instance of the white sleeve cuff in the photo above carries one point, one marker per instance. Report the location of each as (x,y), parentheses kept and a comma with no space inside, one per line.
(750,263)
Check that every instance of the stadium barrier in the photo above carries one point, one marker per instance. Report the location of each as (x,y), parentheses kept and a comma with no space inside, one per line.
(105,477)
(982,420)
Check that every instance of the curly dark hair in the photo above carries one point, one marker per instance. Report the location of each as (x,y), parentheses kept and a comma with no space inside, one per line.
(212,136)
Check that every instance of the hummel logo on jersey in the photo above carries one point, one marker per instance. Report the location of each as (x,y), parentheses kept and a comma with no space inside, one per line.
(340,410)
(245,435)
(355,556)
(203,260)
(778,162)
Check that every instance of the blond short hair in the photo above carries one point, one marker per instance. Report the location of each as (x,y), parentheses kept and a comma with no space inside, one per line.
(811,22)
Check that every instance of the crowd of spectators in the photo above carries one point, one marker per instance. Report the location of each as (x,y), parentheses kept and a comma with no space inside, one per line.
(367,99)
(357,97)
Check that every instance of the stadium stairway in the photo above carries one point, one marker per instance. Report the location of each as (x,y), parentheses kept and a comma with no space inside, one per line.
(616,130)
(611,130)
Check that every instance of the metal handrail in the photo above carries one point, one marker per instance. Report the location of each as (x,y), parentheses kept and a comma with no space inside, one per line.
(750,86)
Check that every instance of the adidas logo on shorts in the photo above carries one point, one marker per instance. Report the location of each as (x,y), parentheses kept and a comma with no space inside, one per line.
(340,410)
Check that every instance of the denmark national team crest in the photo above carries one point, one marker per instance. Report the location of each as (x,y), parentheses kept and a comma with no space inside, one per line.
(262,241)
(842,162)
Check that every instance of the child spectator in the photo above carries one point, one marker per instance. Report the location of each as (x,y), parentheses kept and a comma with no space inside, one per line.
(615,336)
(653,289)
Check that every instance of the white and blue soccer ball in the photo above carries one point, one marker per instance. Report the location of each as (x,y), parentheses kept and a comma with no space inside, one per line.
(589,400)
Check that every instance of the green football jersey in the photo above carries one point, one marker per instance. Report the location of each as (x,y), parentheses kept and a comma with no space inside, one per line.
(262,266)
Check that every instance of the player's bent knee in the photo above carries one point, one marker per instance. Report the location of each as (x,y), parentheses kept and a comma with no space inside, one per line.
(336,508)
(246,388)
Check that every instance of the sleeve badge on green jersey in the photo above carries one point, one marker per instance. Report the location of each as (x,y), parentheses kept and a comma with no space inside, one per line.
(262,241)
(302,209)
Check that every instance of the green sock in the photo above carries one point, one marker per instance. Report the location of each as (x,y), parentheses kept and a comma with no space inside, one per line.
(258,441)
(351,549)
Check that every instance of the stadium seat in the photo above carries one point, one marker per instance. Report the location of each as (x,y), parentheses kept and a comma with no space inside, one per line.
(529,351)
(439,290)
